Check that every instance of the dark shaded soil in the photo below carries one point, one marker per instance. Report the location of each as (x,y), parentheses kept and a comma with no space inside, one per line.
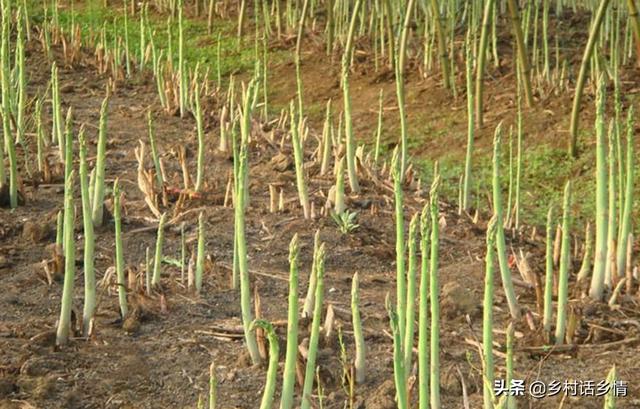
(163,359)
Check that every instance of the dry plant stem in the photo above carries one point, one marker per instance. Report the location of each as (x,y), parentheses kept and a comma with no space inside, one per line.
(64,322)
(582,76)
(340,206)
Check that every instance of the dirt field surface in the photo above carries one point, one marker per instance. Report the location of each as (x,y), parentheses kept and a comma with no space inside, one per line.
(159,355)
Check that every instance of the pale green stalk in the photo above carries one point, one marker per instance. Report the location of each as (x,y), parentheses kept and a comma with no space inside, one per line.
(307,309)
(68,136)
(411,294)
(314,337)
(423,311)
(340,206)
(612,227)
(505,272)
(510,400)
(481,57)
(157,261)
(442,41)
(401,291)
(213,379)
(57,114)
(398,360)
(548,277)
(434,289)
(298,153)
(154,151)
(64,322)
(89,240)
(597,280)
(376,154)
(610,397)
(582,76)
(399,69)
(348,125)
(59,232)
(9,145)
(563,276)
(585,268)
(200,254)
(122,289)
(289,375)
(466,186)
(182,69)
(201,147)
(272,370)
(359,361)
(487,316)
(625,224)
(327,141)
(98,190)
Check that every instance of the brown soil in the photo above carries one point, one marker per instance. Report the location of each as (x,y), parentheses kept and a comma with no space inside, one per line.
(163,359)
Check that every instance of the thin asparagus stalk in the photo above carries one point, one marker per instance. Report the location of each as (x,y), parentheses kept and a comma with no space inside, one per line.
(582,76)
(154,151)
(398,359)
(200,254)
(272,370)
(157,261)
(411,294)
(307,309)
(399,68)
(434,289)
(505,272)
(487,316)
(89,241)
(315,330)
(298,152)
(122,289)
(598,279)
(9,145)
(340,206)
(98,190)
(348,125)
(360,356)
(625,225)
(423,312)
(401,291)
(213,381)
(64,323)
(289,375)
(201,147)
(548,278)
(563,276)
